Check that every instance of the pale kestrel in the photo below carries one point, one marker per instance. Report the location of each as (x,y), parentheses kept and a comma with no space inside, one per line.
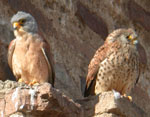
(29,54)
(115,65)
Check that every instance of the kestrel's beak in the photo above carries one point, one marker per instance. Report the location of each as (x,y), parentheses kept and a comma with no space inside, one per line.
(133,40)
(16,25)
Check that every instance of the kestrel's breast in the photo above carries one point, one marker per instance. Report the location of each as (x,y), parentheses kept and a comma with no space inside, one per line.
(16,65)
(28,61)
(118,71)
(18,58)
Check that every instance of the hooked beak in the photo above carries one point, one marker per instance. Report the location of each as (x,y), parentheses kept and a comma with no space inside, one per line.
(135,41)
(16,25)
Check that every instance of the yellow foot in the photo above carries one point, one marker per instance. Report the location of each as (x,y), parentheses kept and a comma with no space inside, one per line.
(128,97)
(20,80)
(34,82)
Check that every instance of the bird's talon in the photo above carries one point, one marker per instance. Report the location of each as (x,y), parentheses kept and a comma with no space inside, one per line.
(26,82)
(128,97)
(34,82)
(20,80)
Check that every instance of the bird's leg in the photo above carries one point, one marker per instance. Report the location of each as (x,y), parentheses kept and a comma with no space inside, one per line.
(34,82)
(128,97)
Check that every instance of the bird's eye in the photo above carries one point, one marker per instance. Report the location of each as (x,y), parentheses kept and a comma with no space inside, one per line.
(129,37)
(22,21)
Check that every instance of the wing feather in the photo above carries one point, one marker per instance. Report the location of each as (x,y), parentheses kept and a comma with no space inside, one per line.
(48,57)
(104,51)
(142,60)
(11,49)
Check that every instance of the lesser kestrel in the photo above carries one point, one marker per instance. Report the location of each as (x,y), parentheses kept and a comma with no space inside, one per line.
(115,65)
(29,54)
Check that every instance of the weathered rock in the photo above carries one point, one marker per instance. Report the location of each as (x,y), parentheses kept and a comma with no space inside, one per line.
(42,100)
(107,115)
(107,103)
(95,23)
(5,37)
(46,101)
(138,14)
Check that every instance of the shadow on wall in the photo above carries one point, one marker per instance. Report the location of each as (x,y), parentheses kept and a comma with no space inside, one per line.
(6,35)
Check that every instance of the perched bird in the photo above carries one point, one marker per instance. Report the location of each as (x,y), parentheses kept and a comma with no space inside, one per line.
(115,65)
(29,54)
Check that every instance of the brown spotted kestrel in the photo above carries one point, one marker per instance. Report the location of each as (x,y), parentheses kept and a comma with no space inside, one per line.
(29,54)
(115,65)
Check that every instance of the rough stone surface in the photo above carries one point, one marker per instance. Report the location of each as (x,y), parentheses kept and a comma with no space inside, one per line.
(46,101)
(38,101)
(106,115)
(5,37)
(75,29)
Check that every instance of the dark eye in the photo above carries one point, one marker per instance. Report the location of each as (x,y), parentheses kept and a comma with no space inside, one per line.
(22,21)
(127,37)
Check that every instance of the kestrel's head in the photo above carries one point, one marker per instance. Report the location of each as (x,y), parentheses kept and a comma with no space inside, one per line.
(23,21)
(124,36)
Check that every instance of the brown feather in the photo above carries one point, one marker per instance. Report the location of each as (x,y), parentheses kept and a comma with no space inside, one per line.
(93,67)
(115,64)
(11,49)
(50,62)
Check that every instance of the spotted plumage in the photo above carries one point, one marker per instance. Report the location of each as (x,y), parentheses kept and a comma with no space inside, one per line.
(115,64)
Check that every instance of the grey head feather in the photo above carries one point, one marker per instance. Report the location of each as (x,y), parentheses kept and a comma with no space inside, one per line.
(30,24)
